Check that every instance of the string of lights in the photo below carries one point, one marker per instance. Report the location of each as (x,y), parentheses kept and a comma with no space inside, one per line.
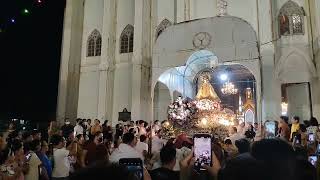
(22,12)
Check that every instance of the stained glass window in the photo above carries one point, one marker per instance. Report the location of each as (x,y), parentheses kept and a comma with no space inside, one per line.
(94,44)
(291,19)
(297,24)
(126,39)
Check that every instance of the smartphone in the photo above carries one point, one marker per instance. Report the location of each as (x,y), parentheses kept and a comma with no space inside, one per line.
(135,167)
(313,159)
(311,138)
(270,129)
(202,150)
(297,140)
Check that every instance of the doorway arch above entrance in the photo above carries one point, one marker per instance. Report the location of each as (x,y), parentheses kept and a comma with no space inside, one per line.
(232,40)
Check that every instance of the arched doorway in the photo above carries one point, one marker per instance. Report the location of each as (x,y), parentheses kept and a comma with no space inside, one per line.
(211,46)
(161,100)
(296,74)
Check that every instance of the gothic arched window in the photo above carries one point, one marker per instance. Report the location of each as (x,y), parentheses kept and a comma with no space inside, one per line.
(94,44)
(162,26)
(291,19)
(126,39)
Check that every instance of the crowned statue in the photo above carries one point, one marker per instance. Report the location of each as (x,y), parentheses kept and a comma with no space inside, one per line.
(206,90)
(203,114)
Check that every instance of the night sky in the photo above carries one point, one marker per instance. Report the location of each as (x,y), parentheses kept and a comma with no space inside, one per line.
(30,58)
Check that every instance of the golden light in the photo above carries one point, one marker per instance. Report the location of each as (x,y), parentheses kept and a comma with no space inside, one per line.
(204,121)
(166,124)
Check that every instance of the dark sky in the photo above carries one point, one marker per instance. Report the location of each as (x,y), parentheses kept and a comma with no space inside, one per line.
(30,58)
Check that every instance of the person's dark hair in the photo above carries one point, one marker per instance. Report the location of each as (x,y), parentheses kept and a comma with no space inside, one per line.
(306,171)
(234,129)
(35,132)
(16,145)
(285,119)
(303,128)
(26,135)
(250,133)
(131,130)
(278,157)
(141,121)
(143,138)
(167,154)
(79,136)
(56,139)
(243,167)
(117,126)
(306,123)
(105,123)
(313,121)
(102,169)
(34,144)
(228,141)
(128,138)
(297,118)
(243,145)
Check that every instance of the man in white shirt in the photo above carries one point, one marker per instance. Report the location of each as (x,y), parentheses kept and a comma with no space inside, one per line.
(61,163)
(233,135)
(78,129)
(142,146)
(157,142)
(126,149)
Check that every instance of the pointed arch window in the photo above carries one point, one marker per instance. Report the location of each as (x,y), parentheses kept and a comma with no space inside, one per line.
(126,39)
(291,19)
(94,44)
(162,26)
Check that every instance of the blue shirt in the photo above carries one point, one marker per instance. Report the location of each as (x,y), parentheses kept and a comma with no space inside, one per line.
(46,163)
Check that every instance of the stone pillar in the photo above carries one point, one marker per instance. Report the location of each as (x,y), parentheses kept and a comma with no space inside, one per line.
(271,91)
(187,13)
(106,67)
(70,61)
(141,62)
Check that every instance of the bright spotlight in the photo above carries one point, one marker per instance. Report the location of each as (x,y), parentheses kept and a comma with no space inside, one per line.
(223,77)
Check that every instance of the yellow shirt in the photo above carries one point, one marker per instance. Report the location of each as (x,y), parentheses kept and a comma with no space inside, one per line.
(294,128)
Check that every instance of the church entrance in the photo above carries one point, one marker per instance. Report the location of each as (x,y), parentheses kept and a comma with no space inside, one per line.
(232,83)
(199,65)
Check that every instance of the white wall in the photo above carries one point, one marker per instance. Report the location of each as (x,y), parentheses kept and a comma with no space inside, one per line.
(88,94)
(165,9)
(203,8)
(89,77)
(93,19)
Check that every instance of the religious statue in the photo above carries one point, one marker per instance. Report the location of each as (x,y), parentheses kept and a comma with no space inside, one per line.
(206,91)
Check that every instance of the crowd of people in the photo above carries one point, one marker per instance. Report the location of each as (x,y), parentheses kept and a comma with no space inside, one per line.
(89,150)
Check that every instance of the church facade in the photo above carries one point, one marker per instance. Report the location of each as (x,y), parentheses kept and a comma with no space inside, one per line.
(142,54)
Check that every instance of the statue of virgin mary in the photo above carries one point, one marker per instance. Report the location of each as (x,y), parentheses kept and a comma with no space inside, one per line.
(206,90)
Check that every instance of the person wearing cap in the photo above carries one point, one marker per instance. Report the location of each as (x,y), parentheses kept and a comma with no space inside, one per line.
(183,146)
